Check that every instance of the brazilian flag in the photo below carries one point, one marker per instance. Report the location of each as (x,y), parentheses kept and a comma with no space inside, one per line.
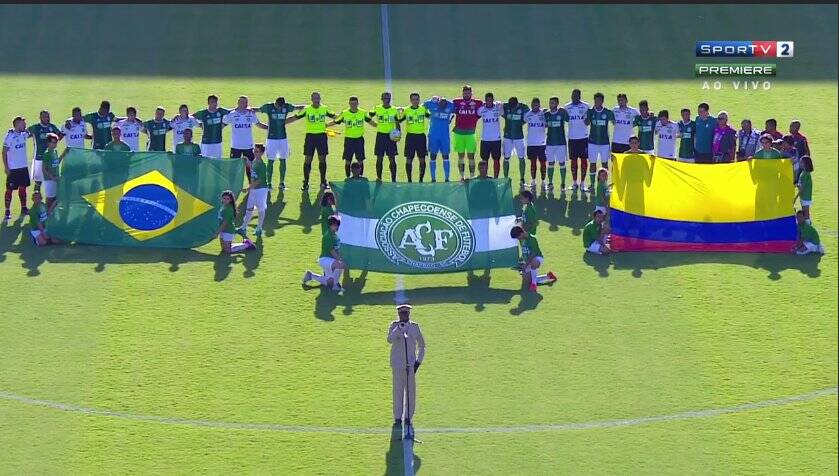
(141,199)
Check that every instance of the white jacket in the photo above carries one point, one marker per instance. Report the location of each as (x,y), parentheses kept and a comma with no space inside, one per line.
(396,338)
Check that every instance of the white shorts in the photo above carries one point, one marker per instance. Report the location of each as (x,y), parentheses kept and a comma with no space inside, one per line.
(556,153)
(539,260)
(37,171)
(276,148)
(258,197)
(595,247)
(516,145)
(687,161)
(811,248)
(806,203)
(326,264)
(603,151)
(211,150)
(35,234)
(227,237)
(50,188)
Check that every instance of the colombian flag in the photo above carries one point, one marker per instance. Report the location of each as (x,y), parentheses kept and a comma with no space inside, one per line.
(663,205)
(141,199)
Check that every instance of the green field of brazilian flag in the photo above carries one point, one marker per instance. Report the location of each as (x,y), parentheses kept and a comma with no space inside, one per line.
(149,352)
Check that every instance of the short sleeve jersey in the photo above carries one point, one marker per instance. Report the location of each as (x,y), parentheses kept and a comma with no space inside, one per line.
(101,126)
(440,117)
(157,131)
(591,232)
(211,122)
(514,121)
(768,154)
(259,171)
(50,163)
(130,133)
(75,134)
(577,113)
(556,126)
(315,118)
(179,125)
(329,242)
(121,147)
(530,247)
(601,193)
(385,118)
(353,122)
(415,119)
(491,118)
(39,132)
(808,233)
(667,135)
(242,123)
(15,143)
(646,130)
(686,144)
(188,149)
(277,116)
(805,183)
(37,215)
(704,134)
(536,127)
(599,125)
(528,218)
(227,217)
(624,124)
(466,115)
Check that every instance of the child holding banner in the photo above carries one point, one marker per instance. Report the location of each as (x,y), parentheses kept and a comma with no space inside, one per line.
(533,259)
(227,225)
(330,258)
(594,235)
(808,237)
(805,186)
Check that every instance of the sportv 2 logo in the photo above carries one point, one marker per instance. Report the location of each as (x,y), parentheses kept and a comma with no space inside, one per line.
(425,235)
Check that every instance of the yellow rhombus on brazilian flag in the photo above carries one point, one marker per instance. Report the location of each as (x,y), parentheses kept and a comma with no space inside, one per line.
(141,199)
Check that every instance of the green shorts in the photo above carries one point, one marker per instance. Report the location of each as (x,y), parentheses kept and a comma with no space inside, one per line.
(465,143)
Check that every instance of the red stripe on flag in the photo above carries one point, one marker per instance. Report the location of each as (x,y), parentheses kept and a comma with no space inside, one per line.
(622,243)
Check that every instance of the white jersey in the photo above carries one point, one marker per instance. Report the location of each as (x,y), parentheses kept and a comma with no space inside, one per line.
(667,135)
(491,117)
(537,127)
(131,133)
(415,348)
(74,136)
(179,125)
(242,135)
(15,142)
(624,124)
(577,128)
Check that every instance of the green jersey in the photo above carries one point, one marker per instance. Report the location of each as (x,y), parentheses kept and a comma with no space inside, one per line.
(325,213)
(556,126)
(101,127)
(211,122)
(37,216)
(599,125)
(121,147)
(805,183)
(687,149)
(259,171)
(528,219)
(514,121)
(353,122)
(50,164)
(414,118)
(768,154)
(276,119)
(591,233)
(601,193)
(385,118)
(806,232)
(329,242)
(39,132)
(188,149)
(530,248)
(157,134)
(315,118)
(227,218)
(646,131)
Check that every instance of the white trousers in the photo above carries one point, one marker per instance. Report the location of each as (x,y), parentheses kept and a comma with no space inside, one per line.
(404,386)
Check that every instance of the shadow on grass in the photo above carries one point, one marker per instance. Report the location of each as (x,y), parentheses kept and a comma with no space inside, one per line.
(774,264)
(570,209)
(395,456)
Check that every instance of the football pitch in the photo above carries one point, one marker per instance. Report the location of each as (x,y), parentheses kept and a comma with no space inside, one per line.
(118,360)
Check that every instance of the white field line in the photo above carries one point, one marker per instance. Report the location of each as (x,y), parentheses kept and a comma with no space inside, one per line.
(282,428)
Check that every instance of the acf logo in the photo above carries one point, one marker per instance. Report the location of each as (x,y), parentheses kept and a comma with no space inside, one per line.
(425,235)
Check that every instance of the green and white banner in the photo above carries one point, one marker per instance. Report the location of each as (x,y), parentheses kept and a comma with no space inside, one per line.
(418,228)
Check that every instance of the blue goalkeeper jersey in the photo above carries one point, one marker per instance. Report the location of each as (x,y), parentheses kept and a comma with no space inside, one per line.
(440,118)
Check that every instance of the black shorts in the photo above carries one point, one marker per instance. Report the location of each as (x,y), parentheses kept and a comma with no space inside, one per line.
(491,148)
(239,153)
(18,178)
(536,152)
(415,144)
(618,148)
(315,143)
(578,148)
(384,145)
(704,157)
(354,147)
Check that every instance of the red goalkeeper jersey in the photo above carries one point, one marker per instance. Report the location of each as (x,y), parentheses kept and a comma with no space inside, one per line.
(466,115)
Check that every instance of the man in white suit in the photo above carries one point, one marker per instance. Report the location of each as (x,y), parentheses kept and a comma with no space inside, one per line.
(407,350)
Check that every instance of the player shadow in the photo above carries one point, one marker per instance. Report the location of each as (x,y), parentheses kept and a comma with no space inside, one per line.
(274,212)
(9,233)
(569,209)
(252,258)
(773,263)
(395,456)
(308,217)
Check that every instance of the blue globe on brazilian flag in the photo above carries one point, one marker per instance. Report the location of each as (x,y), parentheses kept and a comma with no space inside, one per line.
(142,199)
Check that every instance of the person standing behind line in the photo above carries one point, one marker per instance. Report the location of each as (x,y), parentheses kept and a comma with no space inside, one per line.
(276,147)
(705,125)
(316,140)
(39,133)
(116,143)
(725,139)
(187,147)
(490,114)
(667,133)
(598,119)
(353,119)
(385,115)
(624,125)
(646,127)
(75,129)
(101,123)
(536,138)
(465,122)
(50,171)
(513,114)
(439,140)
(687,131)
(771,128)
(766,150)
(414,117)
(802,145)
(748,140)
(15,165)
(157,129)
(211,122)
(577,138)
(182,122)
(130,128)
(556,148)
(242,119)
(407,351)
(257,192)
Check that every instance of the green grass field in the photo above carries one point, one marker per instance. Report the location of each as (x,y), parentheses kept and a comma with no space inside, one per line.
(186,349)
